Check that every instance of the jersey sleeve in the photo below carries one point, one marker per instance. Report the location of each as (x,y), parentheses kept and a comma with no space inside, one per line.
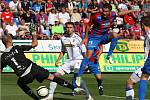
(25,47)
(2,63)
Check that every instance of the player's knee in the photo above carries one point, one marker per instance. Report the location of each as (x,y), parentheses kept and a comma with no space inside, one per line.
(144,77)
(98,76)
(130,82)
(57,74)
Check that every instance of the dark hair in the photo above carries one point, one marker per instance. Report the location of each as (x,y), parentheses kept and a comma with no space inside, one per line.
(69,23)
(146,21)
(5,38)
(107,6)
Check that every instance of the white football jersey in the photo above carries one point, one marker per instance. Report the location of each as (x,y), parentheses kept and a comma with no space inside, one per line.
(138,72)
(146,47)
(72,44)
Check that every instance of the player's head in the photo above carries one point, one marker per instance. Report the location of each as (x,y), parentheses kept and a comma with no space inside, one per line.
(69,27)
(146,23)
(6,38)
(106,9)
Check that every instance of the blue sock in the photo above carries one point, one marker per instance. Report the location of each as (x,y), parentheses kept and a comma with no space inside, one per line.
(83,65)
(112,47)
(74,81)
(142,89)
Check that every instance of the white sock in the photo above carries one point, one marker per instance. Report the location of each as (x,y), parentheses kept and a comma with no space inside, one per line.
(52,87)
(130,93)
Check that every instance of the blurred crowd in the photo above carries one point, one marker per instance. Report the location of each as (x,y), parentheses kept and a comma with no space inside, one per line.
(47,18)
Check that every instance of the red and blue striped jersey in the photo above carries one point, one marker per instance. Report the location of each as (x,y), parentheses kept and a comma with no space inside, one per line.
(101,25)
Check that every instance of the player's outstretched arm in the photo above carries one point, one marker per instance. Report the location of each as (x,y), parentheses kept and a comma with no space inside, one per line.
(34,40)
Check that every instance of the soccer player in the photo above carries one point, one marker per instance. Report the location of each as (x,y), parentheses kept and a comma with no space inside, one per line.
(135,76)
(146,69)
(24,68)
(99,34)
(71,43)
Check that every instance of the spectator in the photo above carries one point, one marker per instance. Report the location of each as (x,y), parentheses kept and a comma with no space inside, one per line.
(129,21)
(136,31)
(39,30)
(83,6)
(48,6)
(14,7)
(52,17)
(64,16)
(37,7)
(57,29)
(75,17)
(122,6)
(12,28)
(70,6)
(23,30)
(7,16)
(24,5)
(3,5)
(42,17)
(27,16)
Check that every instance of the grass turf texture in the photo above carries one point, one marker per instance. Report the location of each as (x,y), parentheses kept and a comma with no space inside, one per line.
(114,88)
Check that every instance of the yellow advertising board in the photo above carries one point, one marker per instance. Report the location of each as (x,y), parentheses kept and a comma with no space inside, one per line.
(127,46)
(122,62)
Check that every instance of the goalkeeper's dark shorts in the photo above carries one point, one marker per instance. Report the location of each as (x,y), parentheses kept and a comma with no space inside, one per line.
(37,72)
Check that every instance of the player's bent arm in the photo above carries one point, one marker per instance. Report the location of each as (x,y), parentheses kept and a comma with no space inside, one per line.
(59,58)
(34,40)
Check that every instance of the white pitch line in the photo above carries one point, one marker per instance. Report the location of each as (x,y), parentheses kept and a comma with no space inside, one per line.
(120,97)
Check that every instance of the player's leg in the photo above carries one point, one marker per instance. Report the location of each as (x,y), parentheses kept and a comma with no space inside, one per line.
(52,87)
(99,81)
(92,43)
(82,85)
(134,78)
(129,86)
(143,82)
(143,86)
(95,69)
(60,72)
(113,39)
(22,83)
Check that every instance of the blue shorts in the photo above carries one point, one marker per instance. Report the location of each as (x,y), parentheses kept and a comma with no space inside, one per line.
(94,67)
(146,68)
(93,42)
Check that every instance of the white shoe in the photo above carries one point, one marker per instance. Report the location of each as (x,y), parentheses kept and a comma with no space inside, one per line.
(78,81)
(90,98)
(49,97)
(79,91)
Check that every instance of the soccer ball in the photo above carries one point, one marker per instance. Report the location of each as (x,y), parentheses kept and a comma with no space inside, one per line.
(42,91)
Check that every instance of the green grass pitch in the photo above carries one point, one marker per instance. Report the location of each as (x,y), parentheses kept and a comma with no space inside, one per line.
(114,88)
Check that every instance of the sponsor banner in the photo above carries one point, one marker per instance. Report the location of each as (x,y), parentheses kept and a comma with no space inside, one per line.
(123,62)
(43,45)
(46,60)
(126,46)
